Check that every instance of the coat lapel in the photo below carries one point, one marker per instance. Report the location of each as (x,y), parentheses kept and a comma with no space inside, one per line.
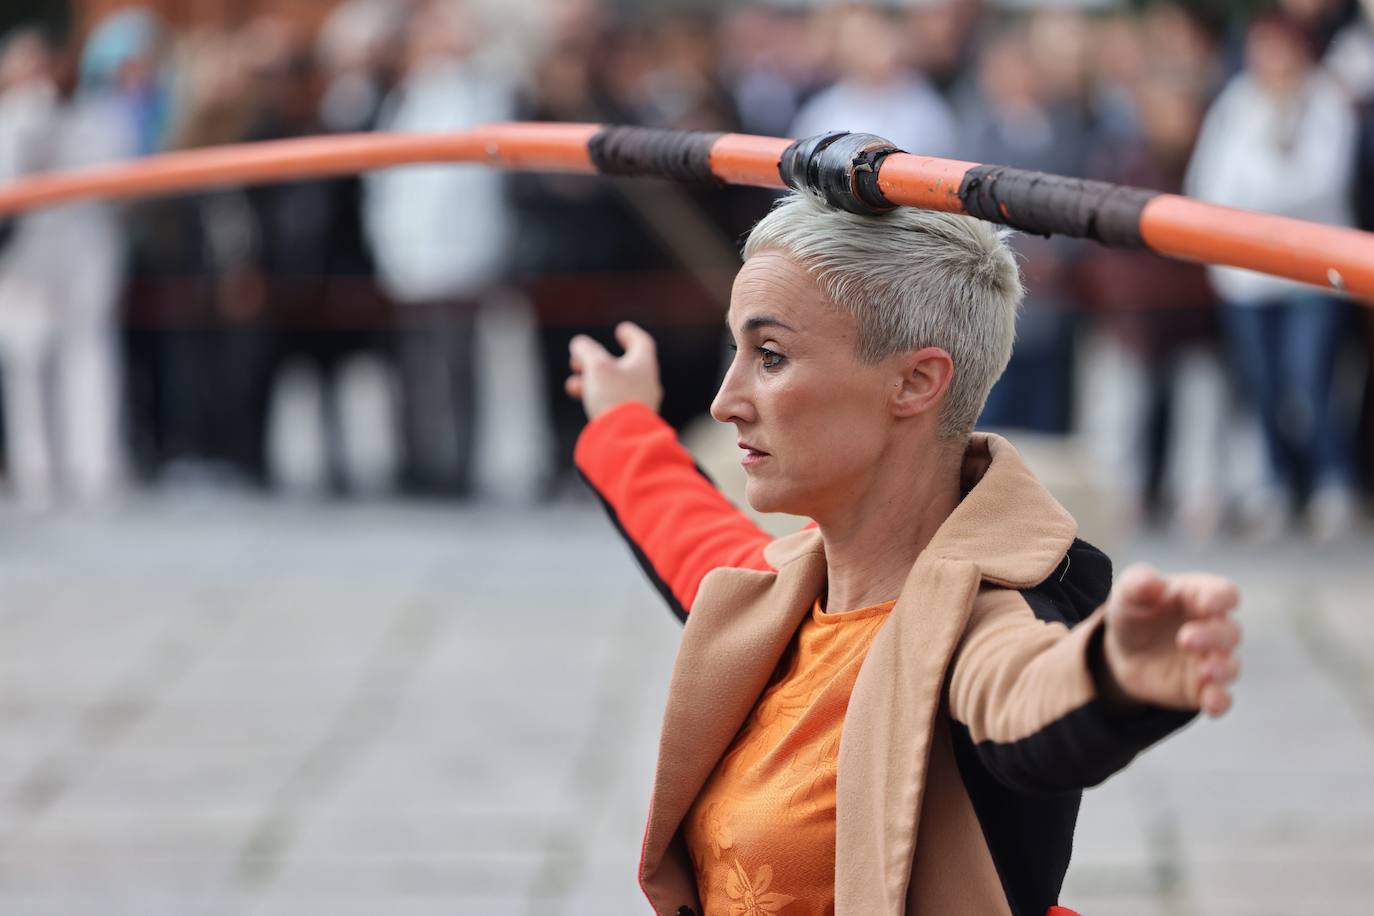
(739,627)
(1007,530)
(886,743)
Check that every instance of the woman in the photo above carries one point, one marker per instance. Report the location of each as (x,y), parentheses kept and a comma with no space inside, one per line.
(893,711)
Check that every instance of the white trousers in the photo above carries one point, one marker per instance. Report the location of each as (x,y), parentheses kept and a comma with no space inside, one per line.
(59,366)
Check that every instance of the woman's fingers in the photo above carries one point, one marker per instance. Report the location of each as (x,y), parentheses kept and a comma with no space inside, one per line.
(1215,675)
(1141,585)
(1209,634)
(573,386)
(1219,668)
(1215,700)
(582,351)
(638,343)
(1203,594)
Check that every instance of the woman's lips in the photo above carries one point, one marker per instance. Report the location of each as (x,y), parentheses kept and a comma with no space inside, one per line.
(752,456)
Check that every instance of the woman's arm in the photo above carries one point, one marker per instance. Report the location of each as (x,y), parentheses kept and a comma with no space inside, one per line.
(1054,706)
(678,525)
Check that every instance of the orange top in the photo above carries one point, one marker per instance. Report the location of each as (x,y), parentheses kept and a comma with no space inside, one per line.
(762,832)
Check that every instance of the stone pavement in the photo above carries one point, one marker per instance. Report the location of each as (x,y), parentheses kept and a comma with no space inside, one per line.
(233,707)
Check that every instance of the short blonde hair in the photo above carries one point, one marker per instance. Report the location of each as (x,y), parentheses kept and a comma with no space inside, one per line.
(911,278)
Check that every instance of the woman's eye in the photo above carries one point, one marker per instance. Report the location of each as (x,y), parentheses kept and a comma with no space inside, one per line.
(769,359)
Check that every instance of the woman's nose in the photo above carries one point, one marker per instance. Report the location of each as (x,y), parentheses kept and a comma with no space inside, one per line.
(730,404)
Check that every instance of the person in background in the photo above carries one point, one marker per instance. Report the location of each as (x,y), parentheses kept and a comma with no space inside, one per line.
(1024,116)
(577,235)
(1351,61)
(58,341)
(439,234)
(1161,314)
(1281,138)
(1322,20)
(124,56)
(765,64)
(356,50)
(876,92)
(593,249)
(356,56)
(1185,41)
(29,108)
(324,310)
(670,78)
(944,37)
(1350,56)
(196,304)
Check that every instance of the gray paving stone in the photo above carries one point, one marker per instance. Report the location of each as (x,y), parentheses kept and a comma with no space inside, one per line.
(234,707)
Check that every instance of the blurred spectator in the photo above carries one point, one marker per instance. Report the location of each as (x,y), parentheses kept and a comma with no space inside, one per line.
(876,92)
(1025,116)
(28,109)
(1161,314)
(1185,43)
(324,312)
(679,83)
(1280,138)
(123,55)
(439,235)
(765,62)
(943,37)
(593,252)
(196,301)
(1321,20)
(282,310)
(688,257)
(576,233)
(356,51)
(1351,61)
(1118,63)
(57,323)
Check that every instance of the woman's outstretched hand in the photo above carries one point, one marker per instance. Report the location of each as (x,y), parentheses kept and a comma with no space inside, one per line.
(1171,640)
(602,381)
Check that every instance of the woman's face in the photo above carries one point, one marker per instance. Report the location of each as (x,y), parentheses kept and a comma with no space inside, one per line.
(812,418)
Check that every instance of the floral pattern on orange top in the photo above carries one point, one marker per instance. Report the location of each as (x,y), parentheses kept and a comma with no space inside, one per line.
(761,834)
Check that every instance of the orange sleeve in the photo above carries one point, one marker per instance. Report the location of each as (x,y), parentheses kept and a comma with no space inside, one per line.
(679,526)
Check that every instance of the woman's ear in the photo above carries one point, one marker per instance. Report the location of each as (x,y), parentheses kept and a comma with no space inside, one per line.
(926,375)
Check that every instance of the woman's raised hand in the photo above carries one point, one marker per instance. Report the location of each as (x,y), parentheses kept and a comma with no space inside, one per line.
(602,381)
(1171,640)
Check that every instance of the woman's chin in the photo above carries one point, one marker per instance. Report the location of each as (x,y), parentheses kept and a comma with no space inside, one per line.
(769,497)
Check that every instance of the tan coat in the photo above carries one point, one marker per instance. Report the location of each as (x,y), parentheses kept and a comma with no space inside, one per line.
(961,643)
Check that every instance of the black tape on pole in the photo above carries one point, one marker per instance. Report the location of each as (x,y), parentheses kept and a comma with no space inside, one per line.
(682,155)
(840,166)
(1047,204)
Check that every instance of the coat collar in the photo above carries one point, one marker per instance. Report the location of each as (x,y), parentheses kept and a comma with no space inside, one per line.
(1007,524)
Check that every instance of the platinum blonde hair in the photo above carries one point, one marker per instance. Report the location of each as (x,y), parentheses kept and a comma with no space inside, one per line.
(911,278)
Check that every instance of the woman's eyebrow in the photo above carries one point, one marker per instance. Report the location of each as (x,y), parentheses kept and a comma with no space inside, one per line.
(765,321)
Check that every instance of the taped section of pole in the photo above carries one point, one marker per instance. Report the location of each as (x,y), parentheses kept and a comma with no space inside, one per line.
(857,172)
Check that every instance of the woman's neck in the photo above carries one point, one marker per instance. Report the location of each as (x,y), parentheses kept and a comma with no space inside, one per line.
(872,542)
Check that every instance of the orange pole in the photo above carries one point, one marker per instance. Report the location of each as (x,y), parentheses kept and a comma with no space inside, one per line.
(1332,256)
(540,147)
(1179,227)
(922,181)
(743,159)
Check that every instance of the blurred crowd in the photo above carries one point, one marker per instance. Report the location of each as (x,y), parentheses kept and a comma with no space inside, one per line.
(146,342)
